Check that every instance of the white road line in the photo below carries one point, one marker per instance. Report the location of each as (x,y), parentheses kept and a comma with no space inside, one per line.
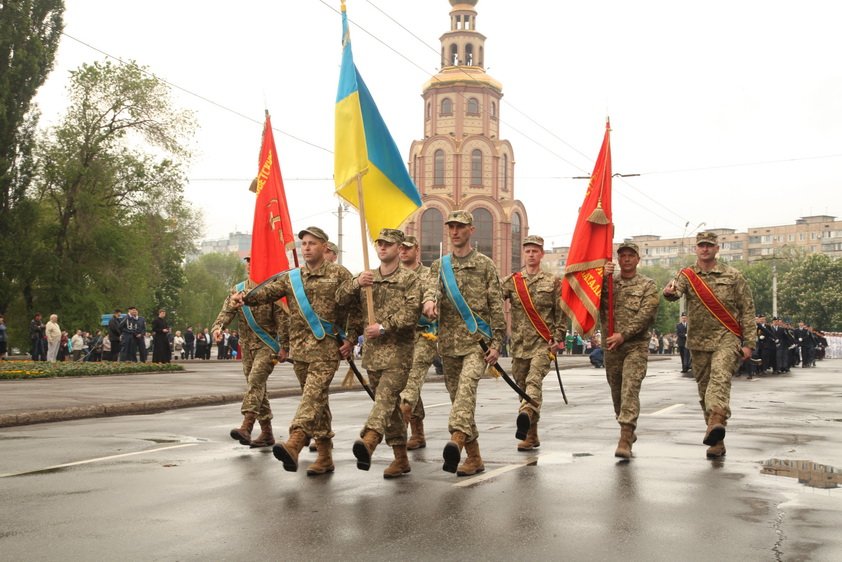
(98,460)
(439,405)
(664,410)
(482,477)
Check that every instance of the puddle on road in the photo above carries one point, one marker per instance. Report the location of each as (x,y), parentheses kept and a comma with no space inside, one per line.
(808,473)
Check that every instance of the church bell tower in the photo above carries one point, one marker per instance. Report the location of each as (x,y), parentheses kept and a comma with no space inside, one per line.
(462,163)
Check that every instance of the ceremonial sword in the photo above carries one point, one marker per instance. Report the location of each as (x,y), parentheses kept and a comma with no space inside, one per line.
(508,379)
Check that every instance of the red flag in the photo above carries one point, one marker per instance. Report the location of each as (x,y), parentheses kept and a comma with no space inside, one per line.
(591,247)
(271,233)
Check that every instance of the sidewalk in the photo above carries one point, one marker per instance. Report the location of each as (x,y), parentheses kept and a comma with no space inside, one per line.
(202,383)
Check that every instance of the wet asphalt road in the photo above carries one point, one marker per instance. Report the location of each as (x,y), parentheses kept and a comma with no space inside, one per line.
(174,486)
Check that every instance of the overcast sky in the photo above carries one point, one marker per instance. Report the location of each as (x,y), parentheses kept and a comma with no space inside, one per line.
(730,111)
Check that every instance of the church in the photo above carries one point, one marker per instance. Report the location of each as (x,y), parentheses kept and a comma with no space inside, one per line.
(462,163)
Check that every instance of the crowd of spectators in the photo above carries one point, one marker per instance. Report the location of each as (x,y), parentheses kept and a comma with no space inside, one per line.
(124,338)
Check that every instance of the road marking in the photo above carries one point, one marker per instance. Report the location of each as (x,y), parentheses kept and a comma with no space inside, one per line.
(532,460)
(439,405)
(88,461)
(664,410)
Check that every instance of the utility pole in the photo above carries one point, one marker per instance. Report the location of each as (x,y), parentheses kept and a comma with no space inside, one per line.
(339,214)
(774,290)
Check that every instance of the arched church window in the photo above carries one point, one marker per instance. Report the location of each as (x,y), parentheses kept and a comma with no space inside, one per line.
(432,235)
(473,106)
(484,234)
(438,167)
(446,106)
(476,167)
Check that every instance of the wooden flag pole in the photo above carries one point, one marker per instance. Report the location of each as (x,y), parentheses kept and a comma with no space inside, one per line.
(363,229)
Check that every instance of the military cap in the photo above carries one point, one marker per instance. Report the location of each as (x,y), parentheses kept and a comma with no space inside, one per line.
(630,246)
(247,259)
(333,248)
(707,238)
(390,235)
(532,239)
(315,231)
(409,241)
(775,319)
(460,216)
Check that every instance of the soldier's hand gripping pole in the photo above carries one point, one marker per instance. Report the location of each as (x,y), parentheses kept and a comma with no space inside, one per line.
(508,379)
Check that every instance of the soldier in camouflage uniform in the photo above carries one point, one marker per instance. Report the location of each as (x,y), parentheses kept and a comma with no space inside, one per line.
(626,348)
(315,359)
(258,362)
(531,352)
(715,350)
(412,406)
(389,337)
(331,252)
(462,357)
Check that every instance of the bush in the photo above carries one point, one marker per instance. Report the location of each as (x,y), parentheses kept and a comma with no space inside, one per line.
(10,370)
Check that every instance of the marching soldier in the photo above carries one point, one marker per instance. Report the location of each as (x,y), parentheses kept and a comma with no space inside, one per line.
(396,300)
(626,352)
(463,292)
(412,406)
(331,252)
(720,308)
(314,330)
(538,325)
(259,329)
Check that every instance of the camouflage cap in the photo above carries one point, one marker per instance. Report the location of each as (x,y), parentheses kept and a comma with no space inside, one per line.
(707,238)
(390,235)
(314,231)
(460,216)
(333,248)
(532,239)
(409,241)
(628,246)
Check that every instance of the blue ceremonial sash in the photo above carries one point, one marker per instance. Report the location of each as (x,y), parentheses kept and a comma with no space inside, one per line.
(472,321)
(429,326)
(258,330)
(318,326)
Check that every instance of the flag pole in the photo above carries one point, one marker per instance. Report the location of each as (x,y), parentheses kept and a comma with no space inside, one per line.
(363,229)
(611,289)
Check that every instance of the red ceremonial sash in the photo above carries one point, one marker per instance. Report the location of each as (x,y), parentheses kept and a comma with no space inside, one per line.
(525,298)
(712,303)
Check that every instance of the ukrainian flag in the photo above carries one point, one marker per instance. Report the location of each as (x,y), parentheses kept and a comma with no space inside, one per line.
(365,148)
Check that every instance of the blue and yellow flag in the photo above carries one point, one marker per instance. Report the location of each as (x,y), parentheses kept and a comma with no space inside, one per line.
(365,148)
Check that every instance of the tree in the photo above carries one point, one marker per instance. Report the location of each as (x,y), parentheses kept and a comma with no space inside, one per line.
(812,292)
(668,312)
(29,36)
(209,279)
(114,223)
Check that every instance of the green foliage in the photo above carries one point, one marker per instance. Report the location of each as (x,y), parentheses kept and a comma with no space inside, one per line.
(42,369)
(29,36)
(668,312)
(811,291)
(113,224)
(209,279)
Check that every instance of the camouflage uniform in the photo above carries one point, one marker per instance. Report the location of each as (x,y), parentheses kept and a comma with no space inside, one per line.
(396,299)
(258,359)
(715,352)
(635,306)
(314,361)
(530,356)
(462,357)
(422,357)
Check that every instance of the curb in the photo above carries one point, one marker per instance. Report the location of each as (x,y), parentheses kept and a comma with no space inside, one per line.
(161,405)
(140,407)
